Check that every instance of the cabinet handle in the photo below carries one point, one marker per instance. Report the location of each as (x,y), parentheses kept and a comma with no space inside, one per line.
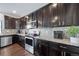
(63,53)
(39,45)
(63,47)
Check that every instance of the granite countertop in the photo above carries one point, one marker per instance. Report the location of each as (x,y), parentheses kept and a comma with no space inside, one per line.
(63,41)
(7,34)
(21,34)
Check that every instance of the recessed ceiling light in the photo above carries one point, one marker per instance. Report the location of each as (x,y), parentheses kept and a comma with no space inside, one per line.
(14,11)
(54,4)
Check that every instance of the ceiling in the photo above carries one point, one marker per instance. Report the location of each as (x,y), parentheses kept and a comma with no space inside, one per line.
(21,9)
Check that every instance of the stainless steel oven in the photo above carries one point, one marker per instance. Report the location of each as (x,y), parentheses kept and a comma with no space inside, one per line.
(29,44)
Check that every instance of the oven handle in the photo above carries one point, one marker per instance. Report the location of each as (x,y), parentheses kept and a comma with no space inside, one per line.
(28,38)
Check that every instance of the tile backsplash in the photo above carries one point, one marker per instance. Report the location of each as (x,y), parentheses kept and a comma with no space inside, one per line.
(49,32)
(9,31)
(44,32)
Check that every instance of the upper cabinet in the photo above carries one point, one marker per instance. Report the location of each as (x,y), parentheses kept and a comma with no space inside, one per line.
(39,18)
(46,16)
(15,23)
(69,14)
(62,15)
(57,15)
(10,22)
(22,22)
(76,14)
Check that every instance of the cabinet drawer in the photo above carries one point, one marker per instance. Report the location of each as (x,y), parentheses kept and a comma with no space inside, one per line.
(69,48)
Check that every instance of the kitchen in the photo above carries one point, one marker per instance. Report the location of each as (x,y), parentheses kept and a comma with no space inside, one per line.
(42,32)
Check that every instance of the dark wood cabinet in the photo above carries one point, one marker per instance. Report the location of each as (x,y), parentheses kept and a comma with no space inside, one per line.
(39,18)
(69,50)
(37,47)
(44,48)
(21,41)
(69,14)
(54,49)
(46,12)
(41,48)
(47,48)
(15,23)
(64,14)
(10,22)
(76,14)
(15,38)
(22,22)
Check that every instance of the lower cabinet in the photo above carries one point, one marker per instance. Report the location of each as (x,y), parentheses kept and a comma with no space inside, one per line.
(70,54)
(68,50)
(15,38)
(46,48)
(54,52)
(54,49)
(21,41)
(37,47)
(5,41)
(41,48)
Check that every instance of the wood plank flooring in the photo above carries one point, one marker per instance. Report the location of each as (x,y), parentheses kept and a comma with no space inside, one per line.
(14,50)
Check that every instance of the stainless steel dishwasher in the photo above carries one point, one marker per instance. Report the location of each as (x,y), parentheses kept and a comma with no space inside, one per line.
(5,41)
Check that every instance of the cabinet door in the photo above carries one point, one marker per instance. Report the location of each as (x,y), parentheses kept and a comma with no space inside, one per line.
(34,18)
(15,39)
(10,22)
(68,20)
(39,18)
(54,52)
(70,54)
(54,49)
(22,22)
(69,50)
(44,48)
(41,48)
(62,15)
(46,17)
(21,41)
(55,16)
(76,14)
(37,47)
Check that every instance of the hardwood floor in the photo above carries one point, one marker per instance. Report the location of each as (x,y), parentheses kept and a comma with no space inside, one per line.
(14,50)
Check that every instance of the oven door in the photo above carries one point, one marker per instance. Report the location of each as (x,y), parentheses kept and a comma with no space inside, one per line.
(29,44)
